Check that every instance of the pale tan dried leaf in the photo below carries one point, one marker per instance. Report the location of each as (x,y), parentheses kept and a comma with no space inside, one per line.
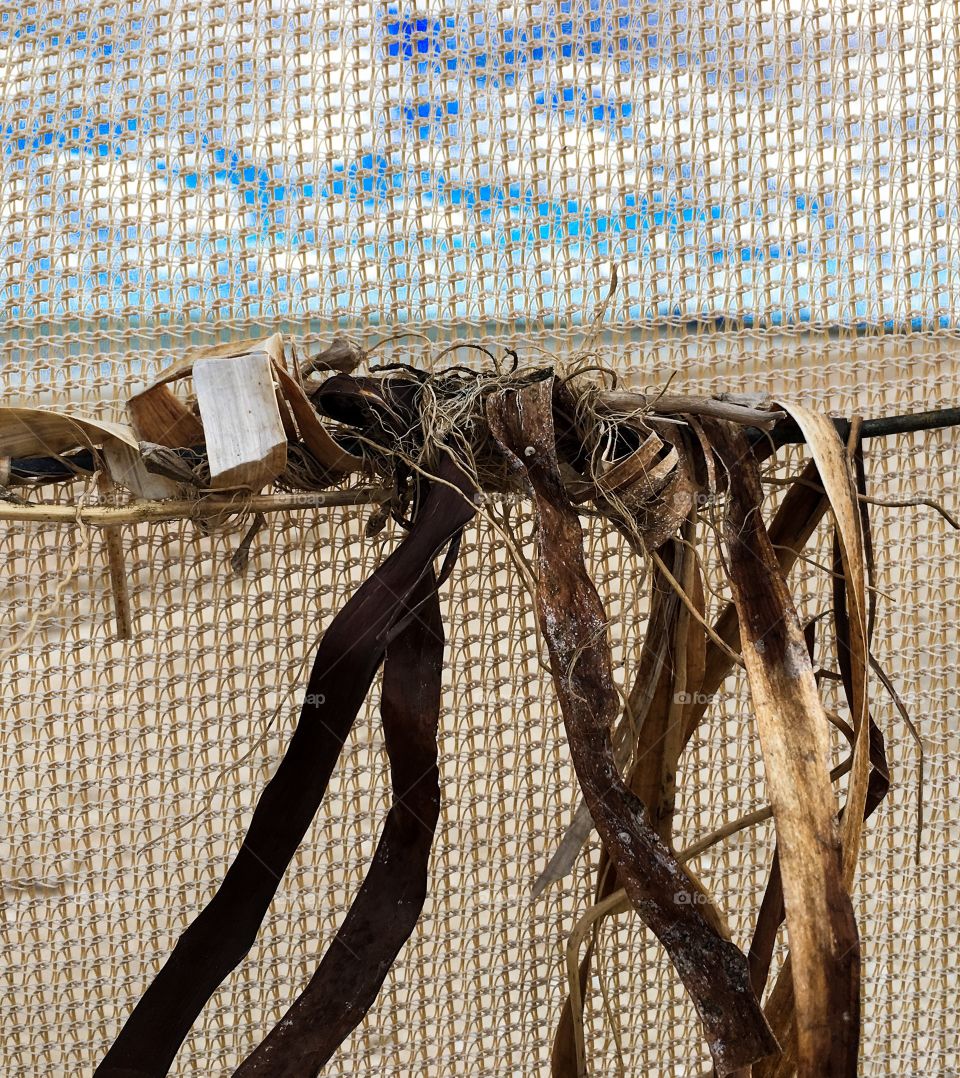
(44,432)
(272,346)
(245,439)
(128,469)
(794,738)
(836,475)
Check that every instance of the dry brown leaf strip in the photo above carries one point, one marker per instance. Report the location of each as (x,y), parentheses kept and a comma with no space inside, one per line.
(347,659)
(388,905)
(793,731)
(573,624)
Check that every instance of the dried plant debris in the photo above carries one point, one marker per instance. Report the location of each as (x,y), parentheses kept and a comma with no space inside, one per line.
(794,736)
(386,909)
(574,625)
(347,659)
(669,472)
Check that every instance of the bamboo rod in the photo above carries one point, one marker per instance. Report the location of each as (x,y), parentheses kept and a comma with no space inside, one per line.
(117,567)
(153,512)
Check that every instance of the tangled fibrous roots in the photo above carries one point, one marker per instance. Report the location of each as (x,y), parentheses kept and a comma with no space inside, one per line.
(448,417)
(450,407)
(633,466)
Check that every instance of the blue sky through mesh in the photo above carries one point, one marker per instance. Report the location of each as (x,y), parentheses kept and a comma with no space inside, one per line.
(270,218)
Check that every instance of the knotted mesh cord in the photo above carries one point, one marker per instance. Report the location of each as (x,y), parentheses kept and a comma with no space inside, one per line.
(776,185)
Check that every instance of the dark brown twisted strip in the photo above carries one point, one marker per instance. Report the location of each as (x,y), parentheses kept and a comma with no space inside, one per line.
(388,905)
(347,659)
(573,623)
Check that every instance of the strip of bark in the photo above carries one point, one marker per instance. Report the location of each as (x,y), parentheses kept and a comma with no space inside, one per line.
(794,523)
(347,659)
(388,905)
(668,682)
(572,620)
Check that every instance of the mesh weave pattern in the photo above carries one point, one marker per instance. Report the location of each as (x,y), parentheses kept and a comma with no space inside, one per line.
(776,184)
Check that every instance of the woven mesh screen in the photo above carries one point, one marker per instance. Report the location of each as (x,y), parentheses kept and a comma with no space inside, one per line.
(776,184)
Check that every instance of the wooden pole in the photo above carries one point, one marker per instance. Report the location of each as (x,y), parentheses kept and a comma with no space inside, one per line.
(194,509)
(784,432)
(118,569)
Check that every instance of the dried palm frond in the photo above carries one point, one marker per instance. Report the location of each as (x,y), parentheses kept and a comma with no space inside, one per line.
(660,468)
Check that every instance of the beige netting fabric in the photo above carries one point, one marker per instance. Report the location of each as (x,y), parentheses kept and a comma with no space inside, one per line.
(776,183)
